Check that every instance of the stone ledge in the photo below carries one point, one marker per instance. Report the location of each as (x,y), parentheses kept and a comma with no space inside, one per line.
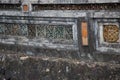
(63,13)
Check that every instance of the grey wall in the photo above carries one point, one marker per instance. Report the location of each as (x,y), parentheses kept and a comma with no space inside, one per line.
(65,17)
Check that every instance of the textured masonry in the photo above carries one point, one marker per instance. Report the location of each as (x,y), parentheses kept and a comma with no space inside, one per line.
(57,25)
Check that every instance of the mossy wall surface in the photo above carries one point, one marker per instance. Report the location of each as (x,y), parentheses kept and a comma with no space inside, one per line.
(22,67)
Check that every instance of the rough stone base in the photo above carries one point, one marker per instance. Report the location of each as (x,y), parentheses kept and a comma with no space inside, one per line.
(22,67)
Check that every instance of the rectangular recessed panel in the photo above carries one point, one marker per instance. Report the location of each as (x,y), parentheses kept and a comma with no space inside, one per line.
(10,6)
(84,30)
(108,35)
(55,31)
(13,29)
(51,33)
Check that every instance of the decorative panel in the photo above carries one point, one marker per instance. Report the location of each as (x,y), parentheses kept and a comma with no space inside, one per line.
(58,34)
(111,33)
(107,35)
(104,6)
(55,31)
(13,29)
(10,6)
(31,31)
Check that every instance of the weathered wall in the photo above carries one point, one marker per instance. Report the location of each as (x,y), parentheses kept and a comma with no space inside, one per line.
(65,17)
(21,67)
(17,64)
